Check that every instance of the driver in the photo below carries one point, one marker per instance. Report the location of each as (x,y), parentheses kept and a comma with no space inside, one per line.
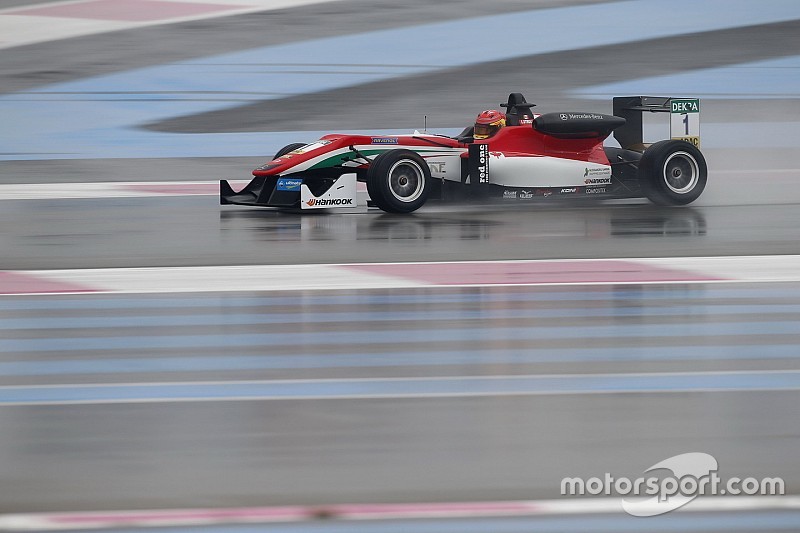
(488,123)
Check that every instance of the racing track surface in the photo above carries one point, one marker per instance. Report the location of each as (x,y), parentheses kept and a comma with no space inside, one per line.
(656,351)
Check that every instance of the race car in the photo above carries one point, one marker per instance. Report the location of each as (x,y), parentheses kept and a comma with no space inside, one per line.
(533,156)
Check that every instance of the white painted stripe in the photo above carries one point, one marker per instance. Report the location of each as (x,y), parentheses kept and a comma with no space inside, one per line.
(752,268)
(222,278)
(126,189)
(219,516)
(343,277)
(118,189)
(19,30)
(262,4)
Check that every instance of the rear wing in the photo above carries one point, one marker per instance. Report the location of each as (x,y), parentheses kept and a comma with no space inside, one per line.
(684,121)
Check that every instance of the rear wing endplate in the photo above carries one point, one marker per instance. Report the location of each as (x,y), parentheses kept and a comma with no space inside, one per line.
(684,121)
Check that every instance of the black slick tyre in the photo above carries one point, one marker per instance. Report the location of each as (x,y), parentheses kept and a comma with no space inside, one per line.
(672,173)
(288,148)
(399,181)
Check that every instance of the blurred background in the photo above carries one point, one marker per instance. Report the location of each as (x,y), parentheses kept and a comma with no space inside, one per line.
(283,408)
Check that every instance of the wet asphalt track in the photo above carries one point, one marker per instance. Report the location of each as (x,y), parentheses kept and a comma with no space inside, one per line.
(312,451)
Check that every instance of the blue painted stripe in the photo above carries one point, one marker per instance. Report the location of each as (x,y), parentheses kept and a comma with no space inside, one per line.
(287,361)
(773,78)
(407,387)
(629,294)
(698,312)
(706,522)
(367,336)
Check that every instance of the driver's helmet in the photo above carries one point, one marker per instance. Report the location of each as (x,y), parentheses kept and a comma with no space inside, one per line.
(488,123)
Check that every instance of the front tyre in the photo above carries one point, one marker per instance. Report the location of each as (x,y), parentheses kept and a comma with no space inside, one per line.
(399,181)
(288,148)
(672,173)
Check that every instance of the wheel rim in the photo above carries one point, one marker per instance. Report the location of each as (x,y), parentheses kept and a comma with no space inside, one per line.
(681,172)
(406,180)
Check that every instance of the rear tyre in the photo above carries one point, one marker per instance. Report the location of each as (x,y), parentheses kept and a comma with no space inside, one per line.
(288,148)
(399,181)
(672,173)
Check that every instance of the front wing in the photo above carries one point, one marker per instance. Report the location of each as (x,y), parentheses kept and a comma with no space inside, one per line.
(293,192)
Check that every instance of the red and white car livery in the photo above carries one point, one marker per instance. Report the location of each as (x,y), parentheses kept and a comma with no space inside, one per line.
(532,156)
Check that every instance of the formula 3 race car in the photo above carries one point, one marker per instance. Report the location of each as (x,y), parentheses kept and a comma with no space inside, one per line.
(534,155)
